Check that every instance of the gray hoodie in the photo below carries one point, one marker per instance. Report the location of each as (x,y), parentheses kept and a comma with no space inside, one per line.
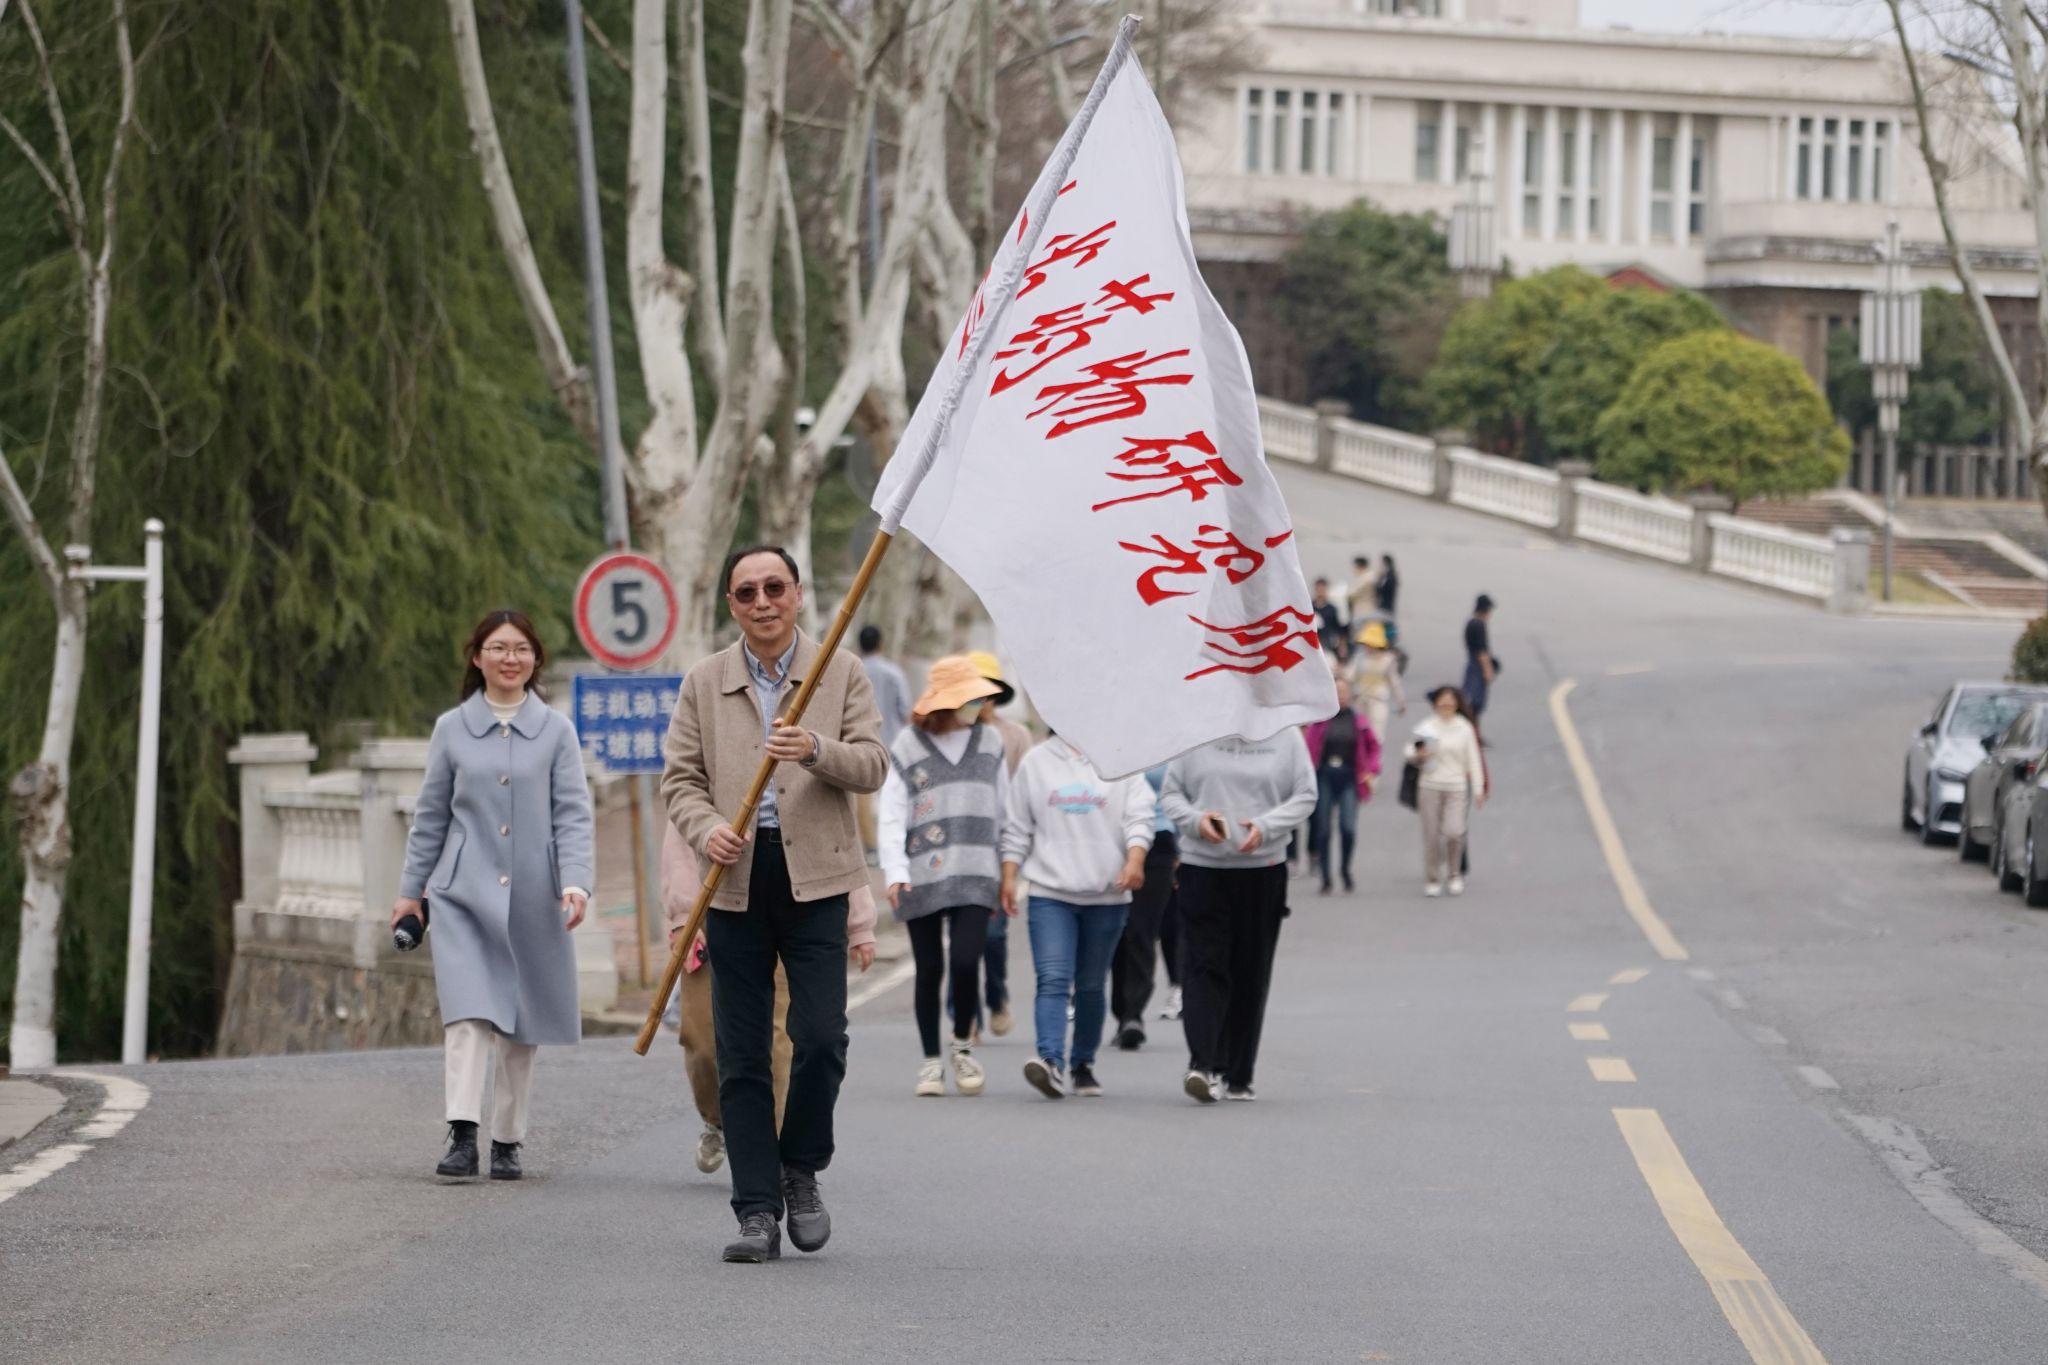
(1068,830)
(1269,781)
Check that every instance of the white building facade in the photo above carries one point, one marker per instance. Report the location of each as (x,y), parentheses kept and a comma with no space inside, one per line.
(1759,170)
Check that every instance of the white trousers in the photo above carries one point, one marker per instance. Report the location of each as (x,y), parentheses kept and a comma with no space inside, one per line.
(469,1045)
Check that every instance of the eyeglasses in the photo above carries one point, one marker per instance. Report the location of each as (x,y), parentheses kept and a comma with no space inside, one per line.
(507,651)
(745,593)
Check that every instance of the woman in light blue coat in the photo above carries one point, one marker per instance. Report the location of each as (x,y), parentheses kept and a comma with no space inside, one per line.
(500,852)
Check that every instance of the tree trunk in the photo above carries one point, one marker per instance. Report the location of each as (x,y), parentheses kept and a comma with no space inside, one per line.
(41,807)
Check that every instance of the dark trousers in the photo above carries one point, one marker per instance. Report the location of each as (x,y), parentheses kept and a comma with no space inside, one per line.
(1231,920)
(1335,819)
(810,939)
(1170,934)
(967,925)
(1137,952)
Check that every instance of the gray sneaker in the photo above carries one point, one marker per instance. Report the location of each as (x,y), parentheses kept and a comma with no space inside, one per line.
(1201,1087)
(710,1148)
(760,1240)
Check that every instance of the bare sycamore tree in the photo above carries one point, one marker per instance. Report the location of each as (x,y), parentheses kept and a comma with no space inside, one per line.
(1997,69)
(41,791)
(686,473)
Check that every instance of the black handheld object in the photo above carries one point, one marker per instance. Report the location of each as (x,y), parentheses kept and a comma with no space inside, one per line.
(410,930)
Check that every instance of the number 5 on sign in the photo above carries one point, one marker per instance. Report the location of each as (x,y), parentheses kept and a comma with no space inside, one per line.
(625,611)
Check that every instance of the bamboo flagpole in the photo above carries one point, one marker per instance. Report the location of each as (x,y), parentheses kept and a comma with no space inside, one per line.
(928,443)
(745,819)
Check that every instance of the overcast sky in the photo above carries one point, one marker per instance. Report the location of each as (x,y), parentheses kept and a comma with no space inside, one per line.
(1804,18)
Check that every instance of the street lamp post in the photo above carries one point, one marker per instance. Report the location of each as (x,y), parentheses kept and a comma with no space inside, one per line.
(1470,243)
(142,862)
(1890,347)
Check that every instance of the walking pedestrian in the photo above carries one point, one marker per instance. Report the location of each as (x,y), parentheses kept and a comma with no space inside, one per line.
(1081,843)
(940,817)
(1481,667)
(784,894)
(499,864)
(1137,952)
(1231,799)
(892,689)
(679,887)
(1375,677)
(1346,751)
(1364,588)
(1386,591)
(1329,623)
(1016,743)
(1451,783)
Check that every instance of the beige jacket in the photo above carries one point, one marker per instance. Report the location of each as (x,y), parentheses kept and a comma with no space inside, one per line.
(715,746)
(680,885)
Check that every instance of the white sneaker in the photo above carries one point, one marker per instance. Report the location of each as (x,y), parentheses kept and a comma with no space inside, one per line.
(1241,1093)
(1457,886)
(1201,1087)
(931,1077)
(968,1077)
(1171,1009)
(1046,1077)
(1433,889)
(710,1148)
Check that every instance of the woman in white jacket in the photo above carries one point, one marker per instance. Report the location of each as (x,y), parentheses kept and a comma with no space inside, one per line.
(1451,785)
(1080,842)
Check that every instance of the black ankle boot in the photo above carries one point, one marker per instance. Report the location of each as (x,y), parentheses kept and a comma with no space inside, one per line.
(505,1160)
(460,1160)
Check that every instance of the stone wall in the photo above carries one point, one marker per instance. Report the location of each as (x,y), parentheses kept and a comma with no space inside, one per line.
(288,999)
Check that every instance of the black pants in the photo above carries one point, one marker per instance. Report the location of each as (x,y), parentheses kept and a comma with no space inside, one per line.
(1170,934)
(969,932)
(1231,919)
(1137,953)
(810,939)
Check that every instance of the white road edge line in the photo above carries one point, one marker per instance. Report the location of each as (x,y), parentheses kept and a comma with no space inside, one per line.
(1819,1079)
(895,977)
(1902,1151)
(124,1100)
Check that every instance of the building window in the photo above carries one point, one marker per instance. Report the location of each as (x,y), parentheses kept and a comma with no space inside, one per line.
(1880,138)
(1283,117)
(1828,169)
(1805,182)
(1308,132)
(1426,9)
(1662,183)
(1856,158)
(1461,165)
(1426,150)
(1595,179)
(1254,105)
(1696,189)
(1333,106)
(1532,181)
(1567,170)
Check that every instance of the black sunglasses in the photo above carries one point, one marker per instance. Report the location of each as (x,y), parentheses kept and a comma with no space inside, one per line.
(745,593)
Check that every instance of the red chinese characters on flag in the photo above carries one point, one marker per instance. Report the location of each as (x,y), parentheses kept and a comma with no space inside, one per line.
(1113,391)
(1072,327)
(1238,560)
(1277,641)
(1152,462)
(1066,248)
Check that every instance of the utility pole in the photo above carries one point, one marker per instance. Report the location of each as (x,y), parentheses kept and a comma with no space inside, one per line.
(617,530)
(142,860)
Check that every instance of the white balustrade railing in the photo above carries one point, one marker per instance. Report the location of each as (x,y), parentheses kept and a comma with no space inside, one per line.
(1506,488)
(1625,520)
(1383,455)
(320,852)
(1785,560)
(1288,431)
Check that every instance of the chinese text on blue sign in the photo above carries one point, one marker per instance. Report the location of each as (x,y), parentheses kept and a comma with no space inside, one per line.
(621,720)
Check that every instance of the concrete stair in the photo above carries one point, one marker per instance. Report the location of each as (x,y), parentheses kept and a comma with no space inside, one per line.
(1967,569)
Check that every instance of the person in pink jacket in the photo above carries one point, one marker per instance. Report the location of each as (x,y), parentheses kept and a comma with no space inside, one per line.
(1346,753)
(680,882)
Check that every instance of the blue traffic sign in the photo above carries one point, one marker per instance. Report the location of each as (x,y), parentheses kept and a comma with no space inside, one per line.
(622,720)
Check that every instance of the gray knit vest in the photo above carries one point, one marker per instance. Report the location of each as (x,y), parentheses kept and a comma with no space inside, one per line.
(950,833)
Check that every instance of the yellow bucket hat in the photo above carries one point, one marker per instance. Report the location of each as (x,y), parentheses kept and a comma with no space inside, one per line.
(991,668)
(952,683)
(1373,636)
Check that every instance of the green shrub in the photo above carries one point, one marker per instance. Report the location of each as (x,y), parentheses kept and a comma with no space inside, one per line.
(2030,653)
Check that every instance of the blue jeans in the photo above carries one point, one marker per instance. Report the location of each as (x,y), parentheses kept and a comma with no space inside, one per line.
(1336,802)
(1072,947)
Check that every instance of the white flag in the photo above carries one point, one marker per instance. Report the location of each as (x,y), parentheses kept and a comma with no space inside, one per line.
(1087,457)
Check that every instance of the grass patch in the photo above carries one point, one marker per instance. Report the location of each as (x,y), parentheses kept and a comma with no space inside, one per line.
(1911,589)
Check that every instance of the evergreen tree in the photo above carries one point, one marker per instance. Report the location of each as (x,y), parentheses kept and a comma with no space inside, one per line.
(1599,342)
(326,391)
(1495,356)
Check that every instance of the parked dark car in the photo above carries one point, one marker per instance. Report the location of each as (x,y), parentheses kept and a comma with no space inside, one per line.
(2021,859)
(1939,759)
(2010,760)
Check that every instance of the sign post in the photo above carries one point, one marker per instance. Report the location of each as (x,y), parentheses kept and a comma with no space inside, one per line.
(626,614)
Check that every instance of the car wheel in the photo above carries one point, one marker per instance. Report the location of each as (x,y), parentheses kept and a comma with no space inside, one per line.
(2033,887)
(1906,820)
(2001,866)
(1930,830)
(1968,849)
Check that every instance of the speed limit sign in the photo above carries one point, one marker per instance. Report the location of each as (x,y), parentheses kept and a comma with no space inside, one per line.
(625,611)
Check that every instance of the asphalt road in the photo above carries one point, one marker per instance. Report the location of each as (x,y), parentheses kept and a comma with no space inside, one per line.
(1432,1172)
